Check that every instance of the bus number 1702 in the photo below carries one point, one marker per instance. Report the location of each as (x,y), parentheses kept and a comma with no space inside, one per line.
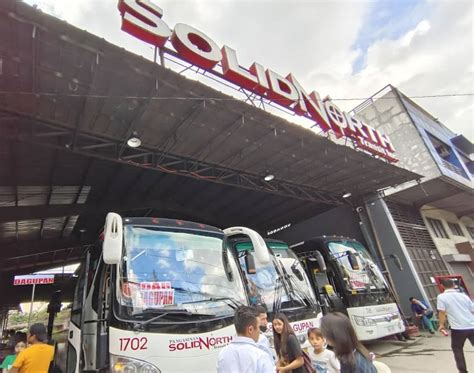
(133,344)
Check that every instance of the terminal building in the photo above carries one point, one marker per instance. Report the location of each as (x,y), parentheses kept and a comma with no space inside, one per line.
(434,214)
(88,128)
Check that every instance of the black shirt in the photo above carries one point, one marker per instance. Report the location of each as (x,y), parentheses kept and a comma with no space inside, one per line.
(294,351)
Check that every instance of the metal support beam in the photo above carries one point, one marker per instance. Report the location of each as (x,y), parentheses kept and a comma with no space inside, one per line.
(174,164)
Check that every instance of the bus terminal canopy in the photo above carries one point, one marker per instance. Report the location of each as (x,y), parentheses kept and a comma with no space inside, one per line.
(70,101)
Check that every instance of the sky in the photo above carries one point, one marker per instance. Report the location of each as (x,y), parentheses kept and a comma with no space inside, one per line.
(344,49)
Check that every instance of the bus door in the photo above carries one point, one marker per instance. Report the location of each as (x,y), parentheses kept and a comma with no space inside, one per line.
(324,281)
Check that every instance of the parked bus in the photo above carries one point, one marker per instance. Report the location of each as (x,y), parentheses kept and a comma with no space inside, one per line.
(281,285)
(159,295)
(346,279)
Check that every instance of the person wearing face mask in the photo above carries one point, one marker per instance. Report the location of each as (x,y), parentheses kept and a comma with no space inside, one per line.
(243,355)
(263,342)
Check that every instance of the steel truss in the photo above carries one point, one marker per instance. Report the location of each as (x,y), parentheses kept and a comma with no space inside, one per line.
(40,132)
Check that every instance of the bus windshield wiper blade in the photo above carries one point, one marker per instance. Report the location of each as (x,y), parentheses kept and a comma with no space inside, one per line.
(140,326)
(232,302)
(162,311)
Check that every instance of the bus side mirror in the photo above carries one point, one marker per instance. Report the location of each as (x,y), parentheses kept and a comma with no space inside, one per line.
(113,239)
(353,260)
(250,264)
(258,243)
(296,271)
(321,262)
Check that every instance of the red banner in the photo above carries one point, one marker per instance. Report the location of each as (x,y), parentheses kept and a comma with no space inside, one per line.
(33,280)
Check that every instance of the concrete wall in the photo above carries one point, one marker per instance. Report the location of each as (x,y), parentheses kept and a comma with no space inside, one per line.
(446,246)
(389,116)
(457,262)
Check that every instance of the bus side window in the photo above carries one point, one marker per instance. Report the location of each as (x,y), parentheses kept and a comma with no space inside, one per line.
(76,310)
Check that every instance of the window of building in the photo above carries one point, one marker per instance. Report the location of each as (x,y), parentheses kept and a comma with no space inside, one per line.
(455,229)
(449,159)
(437,228)
(471,231)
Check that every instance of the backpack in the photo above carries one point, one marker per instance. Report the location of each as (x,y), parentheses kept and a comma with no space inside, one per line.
(307,363)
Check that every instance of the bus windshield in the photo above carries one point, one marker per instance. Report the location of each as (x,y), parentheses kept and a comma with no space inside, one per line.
(178,271)
(363,274)
(272,289)
(293,268)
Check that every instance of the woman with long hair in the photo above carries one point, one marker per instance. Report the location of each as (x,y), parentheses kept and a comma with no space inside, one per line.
(339,333)
(287,346)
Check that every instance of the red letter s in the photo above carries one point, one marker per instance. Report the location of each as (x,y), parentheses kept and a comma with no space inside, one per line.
(142,19)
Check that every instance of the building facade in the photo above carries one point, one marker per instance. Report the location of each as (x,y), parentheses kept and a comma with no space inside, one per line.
(431,219)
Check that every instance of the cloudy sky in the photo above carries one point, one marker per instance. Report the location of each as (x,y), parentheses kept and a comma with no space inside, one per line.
(344,49)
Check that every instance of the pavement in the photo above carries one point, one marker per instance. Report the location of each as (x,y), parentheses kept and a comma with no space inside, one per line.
(426,353)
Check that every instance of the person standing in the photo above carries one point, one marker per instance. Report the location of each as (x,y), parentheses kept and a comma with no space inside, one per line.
(37,357)
(340,334)
(458,309)
(243,355)
(287,346)
(323,360)
(263,342)
(422,312)
(19,339)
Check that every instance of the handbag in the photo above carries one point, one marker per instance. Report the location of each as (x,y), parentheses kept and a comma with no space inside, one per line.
(307,363)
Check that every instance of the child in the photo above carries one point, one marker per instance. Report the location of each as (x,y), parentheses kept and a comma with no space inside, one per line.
(10,359)
(323,360)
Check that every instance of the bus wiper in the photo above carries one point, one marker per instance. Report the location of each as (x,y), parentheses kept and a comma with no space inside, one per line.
(140,326)
(161,312)
(232,302)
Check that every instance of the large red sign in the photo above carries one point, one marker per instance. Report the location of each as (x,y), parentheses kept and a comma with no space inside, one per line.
(143,19)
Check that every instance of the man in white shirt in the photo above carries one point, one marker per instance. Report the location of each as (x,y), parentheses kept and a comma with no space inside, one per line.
(459,310)
(242,355)
(263,342)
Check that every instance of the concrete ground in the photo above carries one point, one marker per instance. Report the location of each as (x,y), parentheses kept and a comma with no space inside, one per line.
(425,354)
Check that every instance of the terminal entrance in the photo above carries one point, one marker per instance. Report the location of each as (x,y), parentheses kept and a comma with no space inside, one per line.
(70,103)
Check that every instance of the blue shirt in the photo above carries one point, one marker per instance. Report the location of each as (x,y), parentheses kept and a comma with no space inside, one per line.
(264,344)
(362,365)
(459,307)
(419,308)
(242,355)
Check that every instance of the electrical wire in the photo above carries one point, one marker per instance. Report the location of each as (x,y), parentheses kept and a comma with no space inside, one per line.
(194,98)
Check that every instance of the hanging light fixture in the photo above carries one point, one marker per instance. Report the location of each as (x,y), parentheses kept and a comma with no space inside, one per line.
(134,141)
(346,195)
(269,177)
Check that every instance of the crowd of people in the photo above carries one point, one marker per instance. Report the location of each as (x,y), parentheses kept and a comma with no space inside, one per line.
(250,351)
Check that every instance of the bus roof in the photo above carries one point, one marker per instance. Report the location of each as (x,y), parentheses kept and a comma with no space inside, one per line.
(170,223)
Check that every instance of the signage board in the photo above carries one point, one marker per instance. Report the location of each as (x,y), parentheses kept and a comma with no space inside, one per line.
(33,280)
(143,20)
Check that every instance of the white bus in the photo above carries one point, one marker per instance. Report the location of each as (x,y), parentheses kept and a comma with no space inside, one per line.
(159,295)
(346,279)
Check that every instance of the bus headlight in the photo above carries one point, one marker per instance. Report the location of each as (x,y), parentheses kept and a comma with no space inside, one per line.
(122,364)
(363,321)
(302,338)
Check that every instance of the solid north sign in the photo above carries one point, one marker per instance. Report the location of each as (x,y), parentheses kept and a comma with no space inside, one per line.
(143,19)
(33,280)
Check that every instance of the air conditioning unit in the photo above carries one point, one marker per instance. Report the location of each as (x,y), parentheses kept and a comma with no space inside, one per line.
(443,151)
